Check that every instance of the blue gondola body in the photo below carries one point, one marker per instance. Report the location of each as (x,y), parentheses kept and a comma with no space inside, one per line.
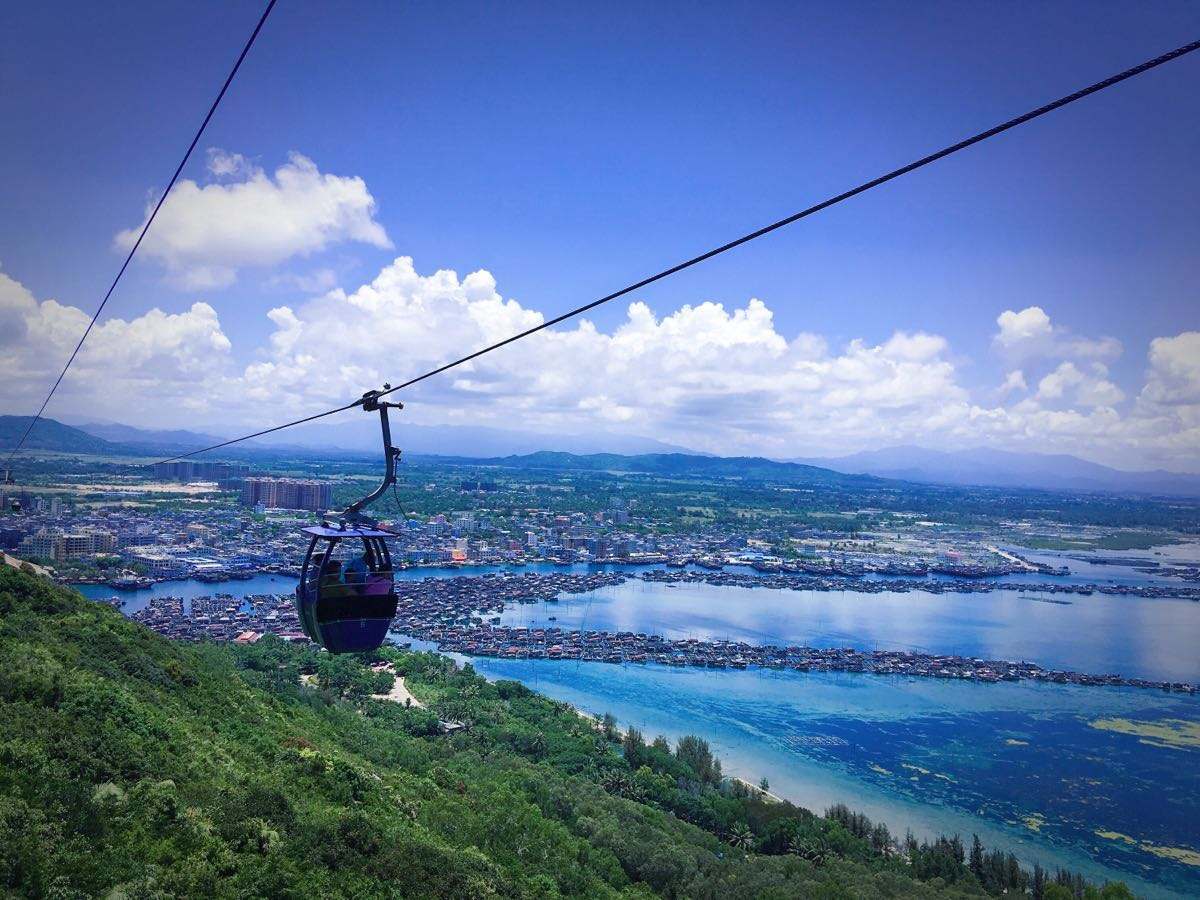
(346,608)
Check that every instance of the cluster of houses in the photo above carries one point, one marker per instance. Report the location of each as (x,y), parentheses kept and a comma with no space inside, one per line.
(637,647)
(223,618)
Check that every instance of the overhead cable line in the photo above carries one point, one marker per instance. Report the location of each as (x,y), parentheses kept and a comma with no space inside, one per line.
(744,239)
(132,250)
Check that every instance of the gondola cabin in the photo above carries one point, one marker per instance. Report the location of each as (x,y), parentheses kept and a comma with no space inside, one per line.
(346,598)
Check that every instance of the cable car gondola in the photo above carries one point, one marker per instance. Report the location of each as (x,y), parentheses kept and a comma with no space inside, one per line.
(346,598)
(14,501)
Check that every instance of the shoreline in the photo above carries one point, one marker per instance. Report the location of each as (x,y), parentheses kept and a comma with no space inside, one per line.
(814,786)
(804,785)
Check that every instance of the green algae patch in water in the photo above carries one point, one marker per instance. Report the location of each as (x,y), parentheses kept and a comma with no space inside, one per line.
(1174,734)
(1184,855)
(1179,854)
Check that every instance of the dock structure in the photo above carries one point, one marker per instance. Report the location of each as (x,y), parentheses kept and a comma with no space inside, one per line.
(464,615)
(805,581)
(625,647)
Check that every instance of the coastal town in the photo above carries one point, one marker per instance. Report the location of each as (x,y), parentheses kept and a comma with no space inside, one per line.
(495,542)
(142,531)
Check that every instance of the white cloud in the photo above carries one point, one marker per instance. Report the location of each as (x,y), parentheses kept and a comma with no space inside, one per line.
(1170,400)
(1174,377)
(1091,388)
(1018,328)
(708,376)
(1013,381)
(223,164)
(155,364)
(713,378)
(1030,333)
(204,234)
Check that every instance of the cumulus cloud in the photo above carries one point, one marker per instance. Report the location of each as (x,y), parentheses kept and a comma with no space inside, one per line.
(1088,388)
(204,234)
(712,377)
(1174,377)
(126,367)
(223,164)
(708,375)
(1030,325)
(1014,381)
(1029,333)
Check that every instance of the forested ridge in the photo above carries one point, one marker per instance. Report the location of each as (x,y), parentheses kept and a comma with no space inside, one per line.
(131,767)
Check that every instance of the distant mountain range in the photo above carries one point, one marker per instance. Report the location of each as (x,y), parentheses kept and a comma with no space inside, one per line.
(361,435)
(499,447)
(1004,468)
(51,435)
(352,435)
(753,468)
(164,440)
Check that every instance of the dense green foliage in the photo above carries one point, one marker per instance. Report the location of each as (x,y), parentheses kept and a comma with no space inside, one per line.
(134,764)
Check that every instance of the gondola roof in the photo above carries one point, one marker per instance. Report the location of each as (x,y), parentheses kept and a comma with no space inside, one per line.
(326,531)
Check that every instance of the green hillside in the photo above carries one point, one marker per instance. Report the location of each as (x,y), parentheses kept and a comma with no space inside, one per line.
(131,766)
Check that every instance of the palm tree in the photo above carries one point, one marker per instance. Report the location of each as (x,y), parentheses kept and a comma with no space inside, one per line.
(812,849)
(616,782)
(741,836)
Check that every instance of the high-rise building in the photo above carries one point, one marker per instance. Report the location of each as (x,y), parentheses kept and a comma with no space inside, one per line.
(41,544)
(287,493)
(49,543)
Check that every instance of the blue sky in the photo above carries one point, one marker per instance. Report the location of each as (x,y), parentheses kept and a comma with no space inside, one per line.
(569,149)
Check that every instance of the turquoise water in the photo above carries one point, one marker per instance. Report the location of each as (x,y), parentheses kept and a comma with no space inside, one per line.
(934,756)
(1021,765)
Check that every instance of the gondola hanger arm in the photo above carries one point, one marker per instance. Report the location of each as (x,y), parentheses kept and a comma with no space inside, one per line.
(371,402)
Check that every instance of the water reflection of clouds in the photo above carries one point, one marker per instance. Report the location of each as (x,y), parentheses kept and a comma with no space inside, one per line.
(1098,633)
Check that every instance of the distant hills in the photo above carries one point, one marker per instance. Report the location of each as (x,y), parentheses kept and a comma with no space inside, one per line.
(101,440)
(510,449)
(51,435)
(360,434)
(741,467)
(1004,468)
(161,440)
(355,436)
